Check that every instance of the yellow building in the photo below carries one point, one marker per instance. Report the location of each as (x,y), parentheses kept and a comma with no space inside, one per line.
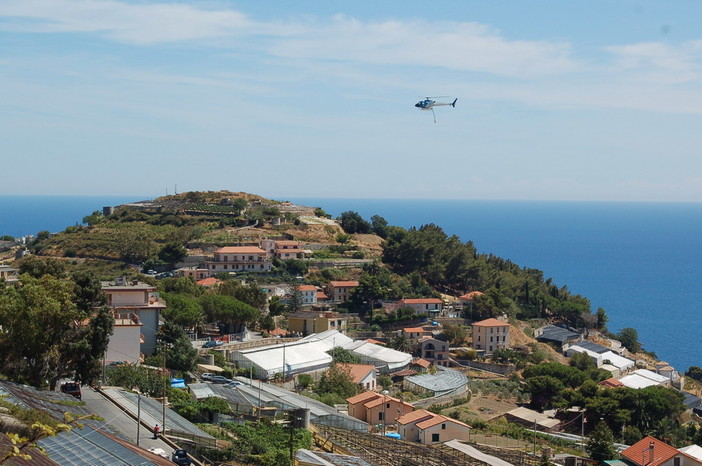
(308,322)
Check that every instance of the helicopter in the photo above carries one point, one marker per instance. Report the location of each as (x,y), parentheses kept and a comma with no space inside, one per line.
(429,104)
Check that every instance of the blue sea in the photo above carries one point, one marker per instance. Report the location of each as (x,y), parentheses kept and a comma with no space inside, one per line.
(639,261)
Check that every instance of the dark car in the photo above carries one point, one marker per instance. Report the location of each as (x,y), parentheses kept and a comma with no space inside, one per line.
(220,379)
(180,457)
(212,344)
(71,388)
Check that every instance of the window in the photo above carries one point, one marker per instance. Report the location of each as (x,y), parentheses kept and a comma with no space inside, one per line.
(434,437)
(224,266)
(443,426)
(490,338)
(478,337)
(491,329)
(380,416)
(226,258)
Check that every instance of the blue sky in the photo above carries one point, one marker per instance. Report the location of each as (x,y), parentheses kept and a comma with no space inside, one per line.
(577,100)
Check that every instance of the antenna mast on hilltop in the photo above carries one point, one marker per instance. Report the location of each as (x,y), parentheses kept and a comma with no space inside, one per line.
(176,189)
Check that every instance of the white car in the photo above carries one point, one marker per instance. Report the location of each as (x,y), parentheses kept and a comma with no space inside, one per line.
(207,376)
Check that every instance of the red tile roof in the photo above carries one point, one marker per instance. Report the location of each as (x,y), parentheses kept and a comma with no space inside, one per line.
(210,281)
(358,371)
(413,330)
(376,342)
(491,322)
(422,301)
(321,296)
(307,288)
(438,419)
(362,397)
(471,295)
(279,331)
(641,453)
(421,362)
(287,243)
(415,416)
(344,284)
(611,383)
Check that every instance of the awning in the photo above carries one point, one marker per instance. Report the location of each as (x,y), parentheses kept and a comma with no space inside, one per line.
(208,368)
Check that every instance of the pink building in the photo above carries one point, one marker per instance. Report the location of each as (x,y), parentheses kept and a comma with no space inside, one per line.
(239,259)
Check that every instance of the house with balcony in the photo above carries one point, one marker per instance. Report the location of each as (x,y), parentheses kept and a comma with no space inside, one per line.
(125,342)
(283,249)
(377,408)
(309,322)
(490,335)
(195,273)
(239,259)
(132,296)
(434,351)
(340,291)
(308,294)
(423,306)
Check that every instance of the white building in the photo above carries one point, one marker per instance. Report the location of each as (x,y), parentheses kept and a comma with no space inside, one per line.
(125,296)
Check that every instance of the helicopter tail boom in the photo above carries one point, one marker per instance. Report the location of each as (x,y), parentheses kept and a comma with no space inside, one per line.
(454,103)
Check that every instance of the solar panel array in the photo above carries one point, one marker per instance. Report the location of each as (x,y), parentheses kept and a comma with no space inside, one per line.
(88,447)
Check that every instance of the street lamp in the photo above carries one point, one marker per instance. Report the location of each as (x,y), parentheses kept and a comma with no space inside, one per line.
(385,402)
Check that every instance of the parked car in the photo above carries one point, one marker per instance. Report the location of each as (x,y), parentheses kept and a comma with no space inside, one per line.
(220,379)
(180,456)
(212,344)
(71,388)
(207,376)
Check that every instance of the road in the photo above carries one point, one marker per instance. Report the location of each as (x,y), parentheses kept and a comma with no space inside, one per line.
(121,421)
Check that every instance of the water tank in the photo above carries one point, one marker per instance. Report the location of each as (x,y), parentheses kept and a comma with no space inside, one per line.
(300,418)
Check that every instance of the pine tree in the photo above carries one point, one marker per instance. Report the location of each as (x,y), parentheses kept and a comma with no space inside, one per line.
(601,444)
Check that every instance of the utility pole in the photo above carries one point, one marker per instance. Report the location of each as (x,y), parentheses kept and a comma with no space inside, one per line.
(534,437)
(163,399)
(138,416)
(582,430)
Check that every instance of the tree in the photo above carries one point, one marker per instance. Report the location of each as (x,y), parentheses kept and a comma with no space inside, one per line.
(629,338)
(45,336)
(266,322)
(135,247)
(37,267)
(352,222)
(694,372)
(94,218)
(337,379)
(456,334)
(231,312)
(183,310)
(380,226)
(544,391)
(172,253)
(343,356)
(249,293)
(601,319)
(600,445)
(175,345)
